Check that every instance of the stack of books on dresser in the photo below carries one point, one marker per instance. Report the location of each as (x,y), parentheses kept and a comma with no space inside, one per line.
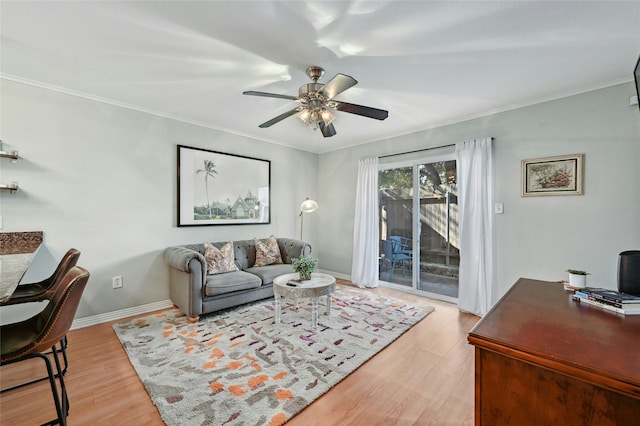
(611,300)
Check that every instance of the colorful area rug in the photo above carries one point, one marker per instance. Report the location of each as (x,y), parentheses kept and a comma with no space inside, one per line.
(239,368)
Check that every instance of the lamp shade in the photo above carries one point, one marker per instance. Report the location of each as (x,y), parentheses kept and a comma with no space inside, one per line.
(308,206)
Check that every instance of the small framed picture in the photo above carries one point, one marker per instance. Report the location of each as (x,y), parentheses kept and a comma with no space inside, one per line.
(560,175)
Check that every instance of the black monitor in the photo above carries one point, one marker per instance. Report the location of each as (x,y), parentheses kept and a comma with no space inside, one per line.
(636,75)
(629,272)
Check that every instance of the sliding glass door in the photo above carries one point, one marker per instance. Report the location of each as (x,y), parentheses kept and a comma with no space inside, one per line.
(419,243)
(396,225)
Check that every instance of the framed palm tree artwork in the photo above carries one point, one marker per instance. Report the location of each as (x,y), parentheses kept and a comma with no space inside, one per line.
(217,188)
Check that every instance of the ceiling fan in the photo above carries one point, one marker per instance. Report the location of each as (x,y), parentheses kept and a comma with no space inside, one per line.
(317,103)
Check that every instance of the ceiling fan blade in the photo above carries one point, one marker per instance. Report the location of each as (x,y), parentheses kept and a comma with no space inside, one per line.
(327,131)
(278,118)
(270,95)
(337,85)
(365,111)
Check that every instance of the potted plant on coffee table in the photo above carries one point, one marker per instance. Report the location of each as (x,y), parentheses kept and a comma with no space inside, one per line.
(304,266)
(577,278)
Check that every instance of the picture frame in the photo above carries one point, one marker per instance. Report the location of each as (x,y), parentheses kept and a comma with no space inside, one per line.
(552,176)
(217,188)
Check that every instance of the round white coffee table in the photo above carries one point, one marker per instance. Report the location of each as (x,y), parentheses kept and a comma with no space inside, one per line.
(319,285)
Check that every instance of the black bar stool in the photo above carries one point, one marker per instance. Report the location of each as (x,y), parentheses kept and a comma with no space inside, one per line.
(36,336)
(43,290)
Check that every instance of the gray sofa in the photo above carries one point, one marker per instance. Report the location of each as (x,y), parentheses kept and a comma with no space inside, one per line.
(196,293)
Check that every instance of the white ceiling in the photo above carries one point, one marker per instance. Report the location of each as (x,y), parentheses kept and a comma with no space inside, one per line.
(427,62)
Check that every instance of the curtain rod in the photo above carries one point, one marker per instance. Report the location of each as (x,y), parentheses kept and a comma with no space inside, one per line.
(417,150)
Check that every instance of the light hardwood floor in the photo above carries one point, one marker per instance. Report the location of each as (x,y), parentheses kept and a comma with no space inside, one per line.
(424,378)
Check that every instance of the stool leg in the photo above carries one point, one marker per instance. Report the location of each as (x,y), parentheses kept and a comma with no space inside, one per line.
(63,387)
(54,391)
(63,349)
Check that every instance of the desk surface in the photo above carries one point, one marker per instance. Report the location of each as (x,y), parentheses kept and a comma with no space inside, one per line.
(539,320)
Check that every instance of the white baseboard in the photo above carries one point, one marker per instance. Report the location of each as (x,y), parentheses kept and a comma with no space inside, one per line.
(122,313)
(336,274)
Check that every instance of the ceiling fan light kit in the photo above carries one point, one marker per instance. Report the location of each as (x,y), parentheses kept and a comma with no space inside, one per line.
(317,103)
(315,107)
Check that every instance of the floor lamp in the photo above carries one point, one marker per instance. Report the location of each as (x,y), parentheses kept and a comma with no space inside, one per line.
(307,206)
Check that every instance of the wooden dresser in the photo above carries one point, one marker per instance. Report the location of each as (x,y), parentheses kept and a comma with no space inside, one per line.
(542,358)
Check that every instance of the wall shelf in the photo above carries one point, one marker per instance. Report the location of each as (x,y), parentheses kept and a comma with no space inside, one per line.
(11,187)
(13,154)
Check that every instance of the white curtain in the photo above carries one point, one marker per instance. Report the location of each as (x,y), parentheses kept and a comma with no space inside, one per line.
(364,269)
(475,198)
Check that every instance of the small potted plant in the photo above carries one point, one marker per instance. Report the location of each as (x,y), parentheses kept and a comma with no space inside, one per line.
(577,278)
(304,266)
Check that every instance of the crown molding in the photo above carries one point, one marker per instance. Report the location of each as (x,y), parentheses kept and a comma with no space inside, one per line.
(527,103)
(71,92)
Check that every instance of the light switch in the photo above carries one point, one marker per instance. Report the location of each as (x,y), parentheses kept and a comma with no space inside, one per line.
(499,208)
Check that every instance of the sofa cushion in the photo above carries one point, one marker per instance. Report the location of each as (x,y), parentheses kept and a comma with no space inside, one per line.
(230,282)
(219,260)
(267,253)
(268,273)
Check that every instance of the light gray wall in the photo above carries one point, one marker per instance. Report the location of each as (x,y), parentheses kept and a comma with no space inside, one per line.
(102,179)
(536,237)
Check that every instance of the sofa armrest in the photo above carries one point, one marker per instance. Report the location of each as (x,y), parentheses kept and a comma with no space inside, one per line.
(179,258)
(187,276)
(291,248)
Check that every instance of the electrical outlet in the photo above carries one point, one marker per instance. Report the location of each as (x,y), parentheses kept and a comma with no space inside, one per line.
(117,281)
